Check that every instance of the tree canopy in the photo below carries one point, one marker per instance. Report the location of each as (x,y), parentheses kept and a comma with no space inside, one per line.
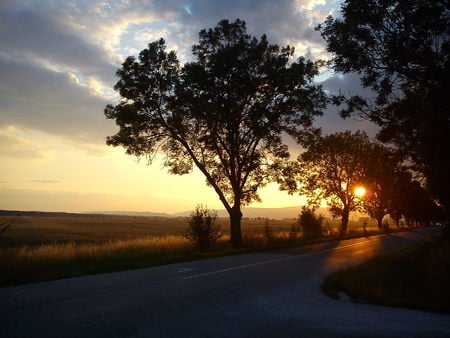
(384,178)
(401,49)
(225,112)
(331,168)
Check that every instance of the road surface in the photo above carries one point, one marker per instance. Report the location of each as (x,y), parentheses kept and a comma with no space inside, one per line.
(266,294)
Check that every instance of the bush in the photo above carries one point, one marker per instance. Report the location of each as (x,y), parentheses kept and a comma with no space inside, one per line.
(202,231)
(310,223)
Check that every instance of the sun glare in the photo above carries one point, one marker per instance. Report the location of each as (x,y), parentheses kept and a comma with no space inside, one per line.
(360,191)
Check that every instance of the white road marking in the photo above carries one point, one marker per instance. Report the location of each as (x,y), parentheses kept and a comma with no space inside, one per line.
(183,270)
(272,261)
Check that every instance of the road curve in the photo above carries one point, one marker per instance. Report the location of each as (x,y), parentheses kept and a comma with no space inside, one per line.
(266,294)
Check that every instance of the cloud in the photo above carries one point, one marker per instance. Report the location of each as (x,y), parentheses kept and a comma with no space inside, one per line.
(60,57)
(20,148)
(346,84)
(41,37)
(284,22)
(51,102)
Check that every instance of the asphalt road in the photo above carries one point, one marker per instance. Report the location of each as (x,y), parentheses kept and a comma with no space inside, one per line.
(266,294)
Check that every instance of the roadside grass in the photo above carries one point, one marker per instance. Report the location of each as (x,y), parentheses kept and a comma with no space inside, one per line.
(28,264)
(35,263)
(37,249)
(417,276)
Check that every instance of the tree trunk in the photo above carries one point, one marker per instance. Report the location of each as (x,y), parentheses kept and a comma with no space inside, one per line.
(397,220)
(380,222)
(344,222)
(235,226)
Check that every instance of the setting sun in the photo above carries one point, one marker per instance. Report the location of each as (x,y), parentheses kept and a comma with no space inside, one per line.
(360,191)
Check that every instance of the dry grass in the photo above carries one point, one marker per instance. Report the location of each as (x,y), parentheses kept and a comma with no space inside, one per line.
(44,248)
(58,260)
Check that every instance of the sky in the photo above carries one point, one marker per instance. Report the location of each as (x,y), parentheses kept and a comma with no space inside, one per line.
(57,71)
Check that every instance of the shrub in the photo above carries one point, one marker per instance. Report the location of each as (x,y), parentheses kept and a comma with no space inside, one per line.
(202,231)
(310,223)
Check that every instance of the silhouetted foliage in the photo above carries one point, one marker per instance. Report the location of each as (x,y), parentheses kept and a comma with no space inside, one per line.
(384,176)
(310,223)
(417,206)
(202,231)
(331,168)
(225,112)
(401,49)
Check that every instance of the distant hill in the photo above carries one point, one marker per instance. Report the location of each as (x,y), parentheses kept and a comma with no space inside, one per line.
(132,213)
(270,213)
(84,214)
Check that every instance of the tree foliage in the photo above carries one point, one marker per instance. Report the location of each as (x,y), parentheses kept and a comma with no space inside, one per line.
(332,166)
(415,205)
(225,112)
(384,176)
(401,49)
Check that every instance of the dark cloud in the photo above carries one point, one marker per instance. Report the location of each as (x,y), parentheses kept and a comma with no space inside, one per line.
(282,21)
(49,101)
(43,48)
(46,66)
(345,84)
(26,33)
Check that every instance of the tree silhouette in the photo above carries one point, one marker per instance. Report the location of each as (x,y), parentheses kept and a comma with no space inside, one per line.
(225,112)
(415,204)
(384,178)
(401,49)
(331,168)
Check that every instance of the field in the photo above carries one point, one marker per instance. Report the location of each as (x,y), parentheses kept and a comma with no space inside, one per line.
(36,248)
(37,230)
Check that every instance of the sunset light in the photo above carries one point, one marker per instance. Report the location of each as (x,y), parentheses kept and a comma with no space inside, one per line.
(241,162)
(360,191)
(54,156)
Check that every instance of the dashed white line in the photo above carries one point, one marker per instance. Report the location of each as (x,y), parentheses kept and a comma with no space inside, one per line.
(271,261)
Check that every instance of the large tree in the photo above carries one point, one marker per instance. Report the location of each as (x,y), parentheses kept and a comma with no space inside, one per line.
(401,49)
(226,112)
(331,168)
(384,177)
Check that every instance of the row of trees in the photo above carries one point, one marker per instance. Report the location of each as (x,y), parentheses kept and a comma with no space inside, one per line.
(401,50)
(335,167)
(229,111)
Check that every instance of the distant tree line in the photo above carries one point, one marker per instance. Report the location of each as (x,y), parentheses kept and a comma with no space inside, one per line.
(228,113)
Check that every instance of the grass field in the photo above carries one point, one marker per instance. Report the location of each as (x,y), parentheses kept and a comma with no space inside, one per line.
(36,248)
(37,230)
